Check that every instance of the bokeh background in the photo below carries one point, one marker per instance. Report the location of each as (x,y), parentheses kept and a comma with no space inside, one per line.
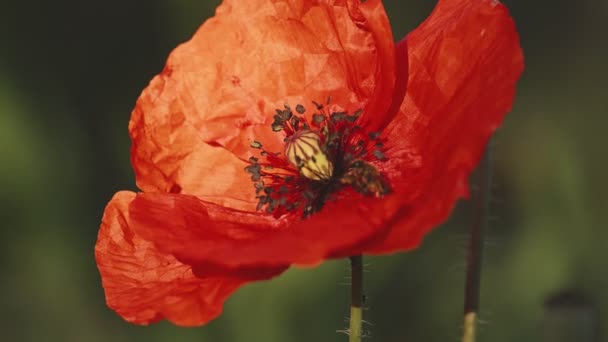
(70,72)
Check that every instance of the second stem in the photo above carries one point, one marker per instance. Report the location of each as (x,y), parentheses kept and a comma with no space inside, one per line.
(356,299)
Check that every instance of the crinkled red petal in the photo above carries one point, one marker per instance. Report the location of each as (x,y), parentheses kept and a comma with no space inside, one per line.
(390,76)
(464,62)
(195,122)
(144,285)
(200,233)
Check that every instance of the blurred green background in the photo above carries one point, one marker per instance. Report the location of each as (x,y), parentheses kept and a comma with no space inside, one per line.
(70,72)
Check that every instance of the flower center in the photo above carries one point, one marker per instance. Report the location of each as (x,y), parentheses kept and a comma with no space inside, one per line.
(323,160)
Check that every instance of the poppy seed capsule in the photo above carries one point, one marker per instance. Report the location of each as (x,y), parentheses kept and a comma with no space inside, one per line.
(303,150)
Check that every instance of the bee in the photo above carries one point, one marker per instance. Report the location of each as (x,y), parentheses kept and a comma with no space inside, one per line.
(366,179)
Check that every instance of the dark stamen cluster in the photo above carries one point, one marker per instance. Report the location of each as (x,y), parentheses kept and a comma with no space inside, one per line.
(284,119)
(275,196)
(279,186)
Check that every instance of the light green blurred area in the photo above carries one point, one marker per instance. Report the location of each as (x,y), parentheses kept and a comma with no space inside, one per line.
(69,75)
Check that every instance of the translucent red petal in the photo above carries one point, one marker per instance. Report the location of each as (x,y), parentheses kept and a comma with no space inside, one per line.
(144,285)
(464,62)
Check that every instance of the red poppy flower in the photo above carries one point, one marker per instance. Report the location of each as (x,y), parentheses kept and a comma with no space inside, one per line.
(292,131)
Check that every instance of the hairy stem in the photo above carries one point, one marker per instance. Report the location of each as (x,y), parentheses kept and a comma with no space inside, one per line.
(356,299)
(481,201)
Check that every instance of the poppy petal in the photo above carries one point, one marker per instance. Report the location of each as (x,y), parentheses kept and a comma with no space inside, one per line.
(195,122)
(391,77)
(144,285)
(464,61)
(201,233)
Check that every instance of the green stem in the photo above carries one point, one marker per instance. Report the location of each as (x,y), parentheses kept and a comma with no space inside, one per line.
(481,201)
(469,329)
(356,301)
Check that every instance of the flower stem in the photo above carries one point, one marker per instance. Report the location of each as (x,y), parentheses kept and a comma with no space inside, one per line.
(481,201)
(356,299)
